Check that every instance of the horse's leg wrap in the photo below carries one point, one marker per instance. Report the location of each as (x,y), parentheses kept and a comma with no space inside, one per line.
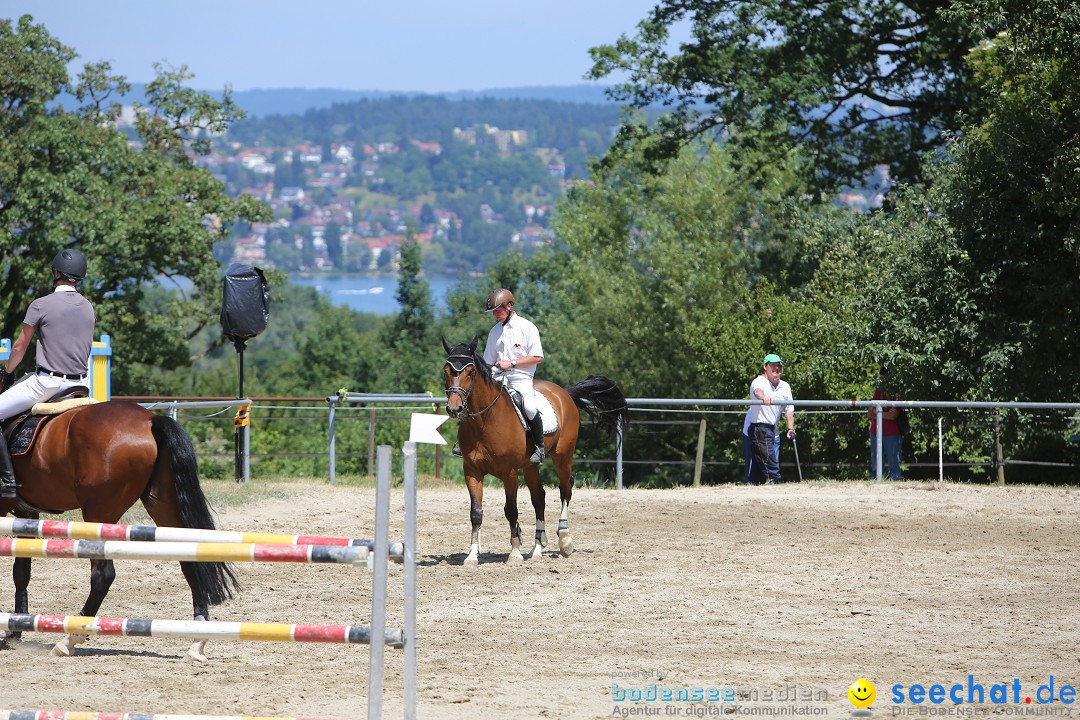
(539,541)
(566,543)
(515,557)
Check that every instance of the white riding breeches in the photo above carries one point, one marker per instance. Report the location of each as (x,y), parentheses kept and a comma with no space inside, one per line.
(34,388)
(523,383)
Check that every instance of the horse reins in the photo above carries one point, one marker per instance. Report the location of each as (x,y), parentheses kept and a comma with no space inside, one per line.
(465,393)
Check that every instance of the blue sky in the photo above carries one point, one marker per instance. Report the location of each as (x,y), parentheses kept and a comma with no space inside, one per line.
(419,45)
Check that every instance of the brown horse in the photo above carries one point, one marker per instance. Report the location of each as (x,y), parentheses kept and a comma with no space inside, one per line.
(493,442)
(101,459)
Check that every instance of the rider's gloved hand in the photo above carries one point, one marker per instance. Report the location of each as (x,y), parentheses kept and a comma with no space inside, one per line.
(7,379)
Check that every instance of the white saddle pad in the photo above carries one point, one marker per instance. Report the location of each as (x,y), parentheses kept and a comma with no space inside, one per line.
(543,406)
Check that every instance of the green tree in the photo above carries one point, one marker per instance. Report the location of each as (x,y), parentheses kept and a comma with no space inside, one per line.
(855,83)
(1012,197)
(427,214)
(332,238)
(66,177)
(958,287)
(410,334)
(307,247)
(332,353)
(648,257)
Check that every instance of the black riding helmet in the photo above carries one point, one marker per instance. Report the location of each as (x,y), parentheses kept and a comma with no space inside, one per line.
(71,265)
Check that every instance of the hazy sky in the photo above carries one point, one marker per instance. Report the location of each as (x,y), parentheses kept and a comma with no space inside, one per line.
(422,45)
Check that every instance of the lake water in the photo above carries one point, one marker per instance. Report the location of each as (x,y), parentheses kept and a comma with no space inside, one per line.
(376,295)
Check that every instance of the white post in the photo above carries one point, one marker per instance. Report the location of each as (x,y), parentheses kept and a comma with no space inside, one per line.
(333,440)
(700,456)
(877,438)
(378,590)
(940,454)
(246,437)
(410,580)
(618,454)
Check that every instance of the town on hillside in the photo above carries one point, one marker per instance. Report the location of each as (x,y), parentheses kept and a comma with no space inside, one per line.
(348,207)
(466,180)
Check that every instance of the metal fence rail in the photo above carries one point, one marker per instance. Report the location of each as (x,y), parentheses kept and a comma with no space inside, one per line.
(241,423)
(376,405)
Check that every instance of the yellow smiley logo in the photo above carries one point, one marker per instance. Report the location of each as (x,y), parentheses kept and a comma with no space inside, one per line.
(862,693)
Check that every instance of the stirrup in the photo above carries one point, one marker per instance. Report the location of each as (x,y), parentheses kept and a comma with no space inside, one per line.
(537,456)
(9,492)
(456,451)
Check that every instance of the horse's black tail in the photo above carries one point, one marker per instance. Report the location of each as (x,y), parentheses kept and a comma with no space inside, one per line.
(604,402)
(216,579)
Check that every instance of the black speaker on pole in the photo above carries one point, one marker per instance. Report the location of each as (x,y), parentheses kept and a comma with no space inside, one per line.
(245,309)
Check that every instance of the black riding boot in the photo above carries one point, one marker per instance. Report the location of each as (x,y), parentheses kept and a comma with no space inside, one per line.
(7,473)
(536,437)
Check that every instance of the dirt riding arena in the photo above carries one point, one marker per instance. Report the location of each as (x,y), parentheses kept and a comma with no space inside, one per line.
(784,594)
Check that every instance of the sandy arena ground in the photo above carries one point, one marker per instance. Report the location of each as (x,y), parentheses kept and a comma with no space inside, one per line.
(791,591)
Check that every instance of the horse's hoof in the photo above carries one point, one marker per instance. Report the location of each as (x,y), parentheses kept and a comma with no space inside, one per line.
(537,552)
(471,561)
(63,648)
(566,543)
(515,558)
(195,652)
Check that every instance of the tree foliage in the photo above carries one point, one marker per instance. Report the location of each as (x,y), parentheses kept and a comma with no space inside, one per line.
(855,83)
(408,344)
(138,210)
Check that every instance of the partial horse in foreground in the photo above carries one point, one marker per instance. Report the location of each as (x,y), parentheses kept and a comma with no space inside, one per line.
(102,458)
(493,441)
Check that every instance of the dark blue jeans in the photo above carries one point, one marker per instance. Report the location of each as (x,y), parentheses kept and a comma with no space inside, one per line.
(892,447)
(761,466)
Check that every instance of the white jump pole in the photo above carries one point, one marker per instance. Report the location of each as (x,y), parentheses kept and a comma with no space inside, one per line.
(378,592)
(410,580)
(940,454)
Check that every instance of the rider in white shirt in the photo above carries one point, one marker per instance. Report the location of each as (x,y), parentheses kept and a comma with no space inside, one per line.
(513,349)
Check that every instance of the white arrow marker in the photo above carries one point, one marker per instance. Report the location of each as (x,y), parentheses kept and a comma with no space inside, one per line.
(424,428)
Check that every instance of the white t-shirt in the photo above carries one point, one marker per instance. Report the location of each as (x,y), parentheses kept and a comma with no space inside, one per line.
(517,338)
(767,413)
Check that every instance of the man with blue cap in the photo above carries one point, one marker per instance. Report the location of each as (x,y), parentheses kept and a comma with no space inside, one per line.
(760,424)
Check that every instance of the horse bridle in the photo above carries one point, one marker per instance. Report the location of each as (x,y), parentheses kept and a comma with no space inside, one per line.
(468,361)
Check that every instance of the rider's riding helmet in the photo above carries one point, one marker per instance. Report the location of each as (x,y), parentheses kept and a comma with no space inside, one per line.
(71,265)
(502,296)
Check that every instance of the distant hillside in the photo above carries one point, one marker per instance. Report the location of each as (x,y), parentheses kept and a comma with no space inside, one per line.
(296,101)
(549,123)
